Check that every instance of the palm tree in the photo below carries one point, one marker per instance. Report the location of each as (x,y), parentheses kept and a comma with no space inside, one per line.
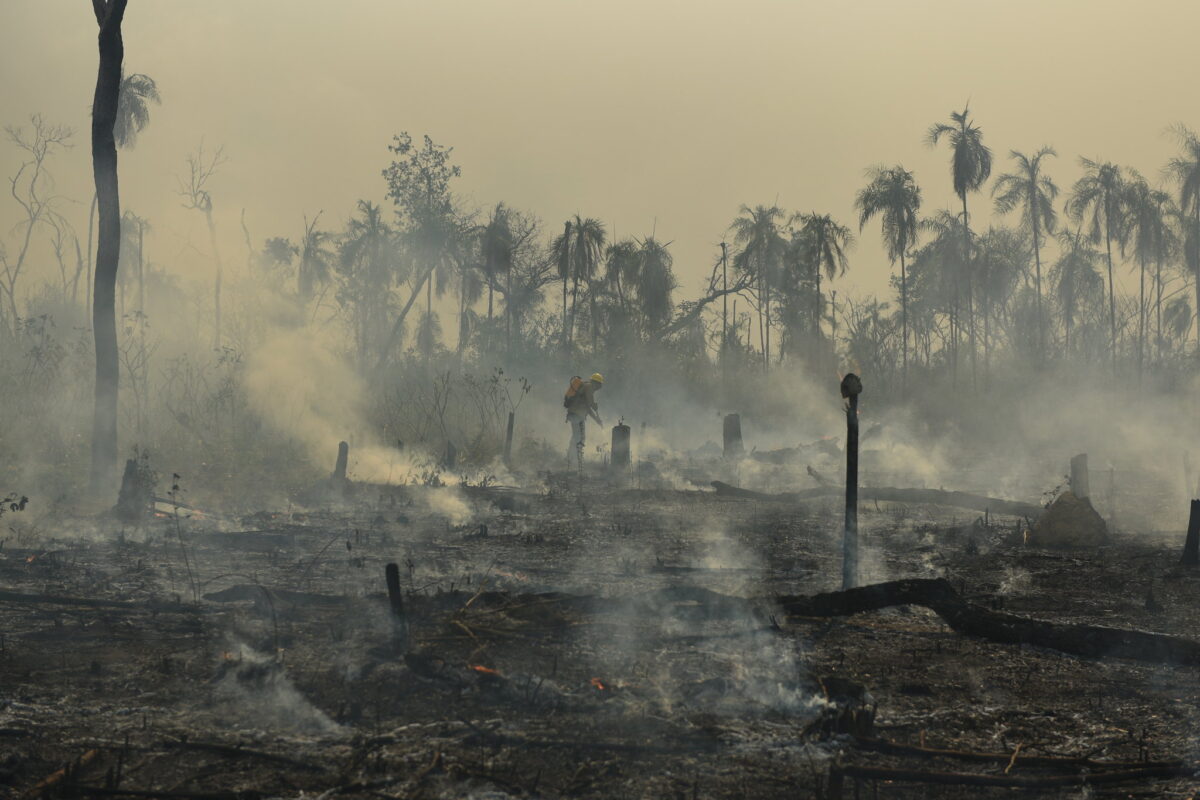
(756,230)
(1098,196)
(1185,169)
(622,262)
(1033,192)
(469,280)
(825,243)
(970,166)
(1076,280)
(892,194)
(655,282)
(577,252)
(497,248)
(368,265)
(1151,236)
(137,92)
(1003,257)
(1166,246)
(316,259)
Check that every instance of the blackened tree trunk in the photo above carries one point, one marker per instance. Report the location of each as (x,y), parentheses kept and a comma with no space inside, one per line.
(109,14)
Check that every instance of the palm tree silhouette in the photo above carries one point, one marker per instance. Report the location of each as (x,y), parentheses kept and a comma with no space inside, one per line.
(756,230)
(1076,280)
(1185,169)
(577,252)
(970,166)
(824,243)
(138,91)
(1097,201)
(1151,237)
(368,264)
(892,194)
(316,259)
(1028,189)
(655,282)
(497,247)
(561,248)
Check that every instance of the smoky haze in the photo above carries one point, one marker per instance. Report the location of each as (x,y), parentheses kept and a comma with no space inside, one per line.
(653,117)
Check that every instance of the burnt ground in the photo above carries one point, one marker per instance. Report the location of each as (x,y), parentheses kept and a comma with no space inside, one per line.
(562,651)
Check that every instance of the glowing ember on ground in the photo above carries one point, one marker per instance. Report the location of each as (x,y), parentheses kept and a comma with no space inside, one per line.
(599,685)
(484,670)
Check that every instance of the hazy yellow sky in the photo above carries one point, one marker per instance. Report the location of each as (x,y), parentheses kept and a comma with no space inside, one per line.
(649,115)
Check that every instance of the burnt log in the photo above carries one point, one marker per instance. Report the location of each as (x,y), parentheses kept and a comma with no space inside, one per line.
(1017,759)
(936,594)
(838,774)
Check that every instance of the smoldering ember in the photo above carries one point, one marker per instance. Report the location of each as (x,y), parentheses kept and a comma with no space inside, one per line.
(719,401)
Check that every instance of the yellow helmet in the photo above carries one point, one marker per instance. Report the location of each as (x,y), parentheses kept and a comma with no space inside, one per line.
(598,378)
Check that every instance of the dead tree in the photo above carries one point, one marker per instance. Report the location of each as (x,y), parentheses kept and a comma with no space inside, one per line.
(109,14)
(196,196)
(30,188)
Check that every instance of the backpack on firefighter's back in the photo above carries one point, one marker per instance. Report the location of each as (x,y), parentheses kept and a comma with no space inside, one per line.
(572,390)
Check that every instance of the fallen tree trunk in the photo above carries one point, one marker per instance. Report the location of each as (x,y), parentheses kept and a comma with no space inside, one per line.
(838,774)
(936,594)
(93,602)
(888,494)
(1014,759)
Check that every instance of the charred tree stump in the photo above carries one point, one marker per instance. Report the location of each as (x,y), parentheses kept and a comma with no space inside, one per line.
(732,434)
(851,389)
(136,497)
(1079,476)
(621,458)
(1191,546)
(343,459)
(508,437)
(396,603)
(451,459)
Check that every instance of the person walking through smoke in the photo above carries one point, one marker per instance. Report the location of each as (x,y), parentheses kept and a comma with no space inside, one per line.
(580,402)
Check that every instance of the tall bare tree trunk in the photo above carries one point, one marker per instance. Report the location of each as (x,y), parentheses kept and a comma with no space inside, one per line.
(904,321)
(1158,310)
(1112,299)
(1141,314)
(1037,260)
(1196,278)
(970,292)
(109,14)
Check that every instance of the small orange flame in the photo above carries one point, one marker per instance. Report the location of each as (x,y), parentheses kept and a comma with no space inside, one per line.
(31,559)
(599,685)
(484,670)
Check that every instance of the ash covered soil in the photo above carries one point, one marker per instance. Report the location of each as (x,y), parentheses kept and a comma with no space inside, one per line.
(550,648)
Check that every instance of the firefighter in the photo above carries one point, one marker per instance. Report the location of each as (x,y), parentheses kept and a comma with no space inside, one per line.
(580,402)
